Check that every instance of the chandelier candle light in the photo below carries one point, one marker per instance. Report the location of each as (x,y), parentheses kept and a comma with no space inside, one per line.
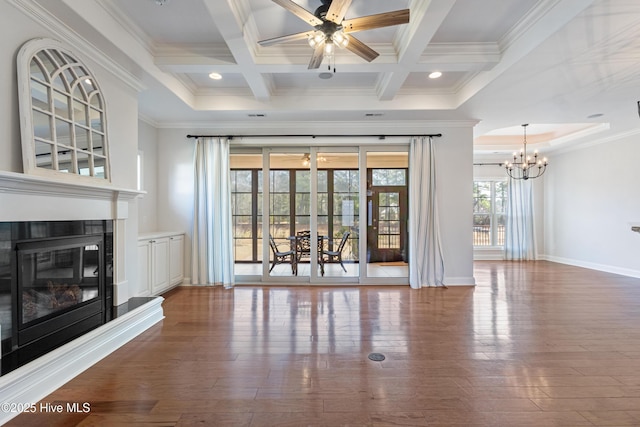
(522,164)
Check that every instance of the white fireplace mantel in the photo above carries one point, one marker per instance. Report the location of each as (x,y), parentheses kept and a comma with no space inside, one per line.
(33,198)
(12,182)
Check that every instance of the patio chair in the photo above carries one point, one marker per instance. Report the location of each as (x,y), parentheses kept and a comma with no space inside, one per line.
(281,257)
(336,255)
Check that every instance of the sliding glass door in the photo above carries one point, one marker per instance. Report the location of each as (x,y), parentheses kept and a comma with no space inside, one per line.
(320,215)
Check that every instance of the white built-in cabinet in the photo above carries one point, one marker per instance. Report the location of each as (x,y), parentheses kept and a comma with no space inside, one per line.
(161,262)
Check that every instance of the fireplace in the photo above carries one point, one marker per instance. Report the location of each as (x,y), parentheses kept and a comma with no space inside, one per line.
(56,283)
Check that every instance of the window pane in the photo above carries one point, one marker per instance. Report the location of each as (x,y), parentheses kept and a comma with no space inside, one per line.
(43,154)
(280,204)
(79,113)
(48,65)
(82,138)
(303,223)
(96,120)
(322,181)
(279,181)
(303,183)
(37,71)
(61,104)
(39,95)
(243,181)
(381,177)
(96,101)
(242,226)
(97,140)
(63,132)
(280,226)
(99,166)
(241,204)
(323,204)
(83,163)
(42,125)
(303,204)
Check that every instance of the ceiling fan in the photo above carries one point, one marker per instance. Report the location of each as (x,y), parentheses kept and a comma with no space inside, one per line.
(330,28)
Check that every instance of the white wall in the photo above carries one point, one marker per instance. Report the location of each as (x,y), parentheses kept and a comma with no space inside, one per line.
(148,205)
(175,189)
(592,195)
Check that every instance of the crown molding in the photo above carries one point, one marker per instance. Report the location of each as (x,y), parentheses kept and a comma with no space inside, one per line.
(130,27)
(526,23)
(75,42)
(352,127)
(598,141)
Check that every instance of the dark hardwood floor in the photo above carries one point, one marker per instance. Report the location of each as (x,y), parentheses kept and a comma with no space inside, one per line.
(533,344)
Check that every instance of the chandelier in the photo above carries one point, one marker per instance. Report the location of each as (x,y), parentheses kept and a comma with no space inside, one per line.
(522,164)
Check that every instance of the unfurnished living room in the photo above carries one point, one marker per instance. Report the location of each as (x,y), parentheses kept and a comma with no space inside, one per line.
(320,212)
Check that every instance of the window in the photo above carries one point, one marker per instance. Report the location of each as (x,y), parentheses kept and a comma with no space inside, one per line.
(290,207)
(63,113)
(489,202)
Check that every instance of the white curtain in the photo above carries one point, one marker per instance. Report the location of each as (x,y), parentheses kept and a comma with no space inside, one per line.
(519,230)
(212,242)
(426,265)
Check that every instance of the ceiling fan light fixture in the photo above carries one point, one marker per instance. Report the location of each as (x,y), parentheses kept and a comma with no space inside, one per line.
(328,47)
(340,39)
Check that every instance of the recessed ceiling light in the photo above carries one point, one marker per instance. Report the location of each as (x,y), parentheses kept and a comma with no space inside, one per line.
(593,116)
(325,75)
(435,75)
(215,76)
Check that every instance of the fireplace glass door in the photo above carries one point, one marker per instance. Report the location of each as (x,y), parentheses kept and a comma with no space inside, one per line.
(56,275)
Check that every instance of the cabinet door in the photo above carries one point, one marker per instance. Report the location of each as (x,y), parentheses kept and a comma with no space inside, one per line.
(160,270)
(176,259)
(143,287)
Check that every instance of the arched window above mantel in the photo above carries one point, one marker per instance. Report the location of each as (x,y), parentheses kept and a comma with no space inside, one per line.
(63,114)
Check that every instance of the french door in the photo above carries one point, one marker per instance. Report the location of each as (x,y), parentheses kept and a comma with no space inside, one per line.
(349,201)
(387,225)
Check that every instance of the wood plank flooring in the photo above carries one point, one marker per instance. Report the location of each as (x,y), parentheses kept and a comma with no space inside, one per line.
(533,344)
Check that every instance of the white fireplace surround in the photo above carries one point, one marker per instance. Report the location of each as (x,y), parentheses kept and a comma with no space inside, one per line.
(32,198)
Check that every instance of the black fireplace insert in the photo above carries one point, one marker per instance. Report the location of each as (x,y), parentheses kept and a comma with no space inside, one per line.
(56,283)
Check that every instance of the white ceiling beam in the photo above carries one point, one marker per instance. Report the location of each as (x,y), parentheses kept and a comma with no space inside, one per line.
(426,18)
(225,15)
(444,57)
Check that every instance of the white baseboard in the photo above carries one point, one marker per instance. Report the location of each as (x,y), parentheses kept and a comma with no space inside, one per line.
(35,380)
(459,281)
(593,266)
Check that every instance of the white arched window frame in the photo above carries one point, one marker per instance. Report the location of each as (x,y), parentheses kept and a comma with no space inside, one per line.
(63,114)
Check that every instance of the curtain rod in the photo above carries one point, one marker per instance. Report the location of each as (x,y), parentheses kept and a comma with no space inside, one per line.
(433,135)
(488,164)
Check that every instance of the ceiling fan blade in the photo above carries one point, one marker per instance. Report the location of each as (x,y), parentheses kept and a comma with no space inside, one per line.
(300,12)
(318,56)
(379,20)
(337,10)
(284,39)
(361,49)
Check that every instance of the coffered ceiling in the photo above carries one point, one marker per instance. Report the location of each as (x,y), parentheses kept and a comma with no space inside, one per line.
(552,63)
